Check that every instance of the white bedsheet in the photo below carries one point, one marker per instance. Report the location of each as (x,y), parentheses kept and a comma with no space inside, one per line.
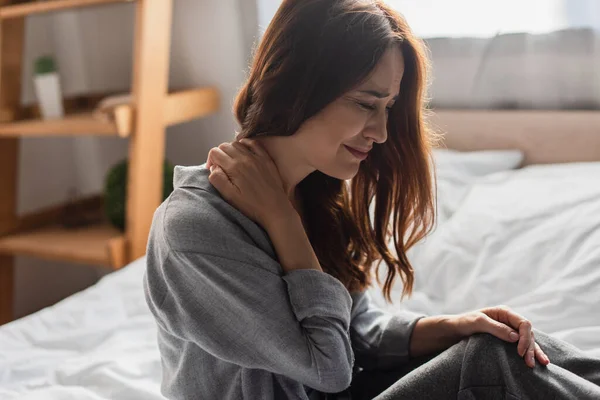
(528,238)
(97,344)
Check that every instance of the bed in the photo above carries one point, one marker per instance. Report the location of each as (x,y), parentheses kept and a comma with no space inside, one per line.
(519,225)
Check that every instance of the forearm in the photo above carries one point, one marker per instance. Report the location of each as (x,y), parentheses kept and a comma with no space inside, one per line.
(433,334)
(291,242)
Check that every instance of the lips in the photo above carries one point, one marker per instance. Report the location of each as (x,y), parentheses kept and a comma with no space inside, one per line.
(360,150)
(360,154)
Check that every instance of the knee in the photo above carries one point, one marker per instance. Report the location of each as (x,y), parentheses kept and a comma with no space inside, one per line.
(541,337)
(484,340)
(486,349)
(487,345)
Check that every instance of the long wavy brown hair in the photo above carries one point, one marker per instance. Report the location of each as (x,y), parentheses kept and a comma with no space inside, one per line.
(313,52)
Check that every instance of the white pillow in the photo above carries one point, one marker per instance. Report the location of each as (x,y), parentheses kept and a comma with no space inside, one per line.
(463,165)
(456,171)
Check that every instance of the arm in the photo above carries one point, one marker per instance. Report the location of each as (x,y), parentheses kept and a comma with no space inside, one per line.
(433,334)
(295,325)
(243,311)
(380,339)
(290,241)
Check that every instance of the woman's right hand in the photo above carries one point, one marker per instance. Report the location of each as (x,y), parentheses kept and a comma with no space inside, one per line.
(246,176)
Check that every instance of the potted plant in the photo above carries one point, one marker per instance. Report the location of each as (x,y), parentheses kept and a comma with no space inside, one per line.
(47,88)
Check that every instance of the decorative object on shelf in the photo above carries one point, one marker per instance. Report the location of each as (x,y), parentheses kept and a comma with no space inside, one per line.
(47,88)
(75,214)
(107,104)
(115,191)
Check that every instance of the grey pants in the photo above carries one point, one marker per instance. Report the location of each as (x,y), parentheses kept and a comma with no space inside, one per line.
(484,367)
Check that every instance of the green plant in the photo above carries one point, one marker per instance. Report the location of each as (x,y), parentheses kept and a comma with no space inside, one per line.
(44,65)
(115,191)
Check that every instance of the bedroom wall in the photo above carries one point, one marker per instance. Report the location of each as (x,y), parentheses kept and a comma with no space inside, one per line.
(93,51)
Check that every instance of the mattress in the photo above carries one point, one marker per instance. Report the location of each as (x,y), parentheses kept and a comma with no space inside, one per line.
(97,344)
(527,238)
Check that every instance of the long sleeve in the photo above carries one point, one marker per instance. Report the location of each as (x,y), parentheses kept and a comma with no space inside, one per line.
(380,339)
(296,325)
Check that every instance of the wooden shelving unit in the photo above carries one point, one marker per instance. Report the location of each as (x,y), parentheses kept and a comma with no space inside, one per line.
(98,244)
(180,107)
(74,124)
(37,7)
(142,120)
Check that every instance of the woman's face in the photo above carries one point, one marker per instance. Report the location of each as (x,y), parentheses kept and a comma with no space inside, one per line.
(355,120)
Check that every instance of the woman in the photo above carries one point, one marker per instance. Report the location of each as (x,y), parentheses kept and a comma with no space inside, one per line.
(259,261)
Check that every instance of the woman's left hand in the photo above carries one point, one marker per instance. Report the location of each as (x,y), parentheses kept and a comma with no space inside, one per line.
(507,325)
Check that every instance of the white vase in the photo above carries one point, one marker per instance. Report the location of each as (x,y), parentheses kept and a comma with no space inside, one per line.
(47,90)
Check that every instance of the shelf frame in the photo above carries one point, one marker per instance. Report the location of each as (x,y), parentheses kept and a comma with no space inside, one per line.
(22,10)
(97,244)
(180,106)
(11,54)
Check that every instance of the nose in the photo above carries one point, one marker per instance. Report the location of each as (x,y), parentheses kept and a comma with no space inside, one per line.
(377,129)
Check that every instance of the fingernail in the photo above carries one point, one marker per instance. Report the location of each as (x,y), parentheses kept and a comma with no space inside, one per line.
(513,336)
(211,168)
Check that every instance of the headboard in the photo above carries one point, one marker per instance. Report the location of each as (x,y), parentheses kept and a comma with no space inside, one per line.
(544,136)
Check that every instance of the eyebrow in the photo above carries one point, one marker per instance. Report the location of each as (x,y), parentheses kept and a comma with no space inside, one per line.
(378,94)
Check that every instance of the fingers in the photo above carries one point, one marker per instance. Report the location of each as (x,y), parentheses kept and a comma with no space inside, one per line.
(541,356)
(498,329)
(525,339)
(218,156)
(220,161)
(509,317)
(222,182)
(219,179)
(527,347)
(224,154)
(254,146)
(530,354)
(242,148)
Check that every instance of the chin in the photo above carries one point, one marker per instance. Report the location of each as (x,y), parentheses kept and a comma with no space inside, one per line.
(343,174)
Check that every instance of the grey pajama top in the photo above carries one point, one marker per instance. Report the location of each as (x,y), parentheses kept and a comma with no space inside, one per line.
(233,325)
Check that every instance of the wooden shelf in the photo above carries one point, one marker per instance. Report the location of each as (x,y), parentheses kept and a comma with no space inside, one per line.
(180,106)
(84,123)
(99,244)
(37,7)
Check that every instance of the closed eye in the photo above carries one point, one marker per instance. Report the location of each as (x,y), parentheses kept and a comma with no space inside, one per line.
(366,106)
(371,107)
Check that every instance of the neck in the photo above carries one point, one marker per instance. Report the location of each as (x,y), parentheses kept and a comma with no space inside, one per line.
(293,168)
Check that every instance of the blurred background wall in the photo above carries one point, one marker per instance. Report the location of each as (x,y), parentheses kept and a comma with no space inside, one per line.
(211,42)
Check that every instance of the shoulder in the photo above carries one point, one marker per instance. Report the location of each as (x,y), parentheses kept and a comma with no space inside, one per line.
(196,218)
